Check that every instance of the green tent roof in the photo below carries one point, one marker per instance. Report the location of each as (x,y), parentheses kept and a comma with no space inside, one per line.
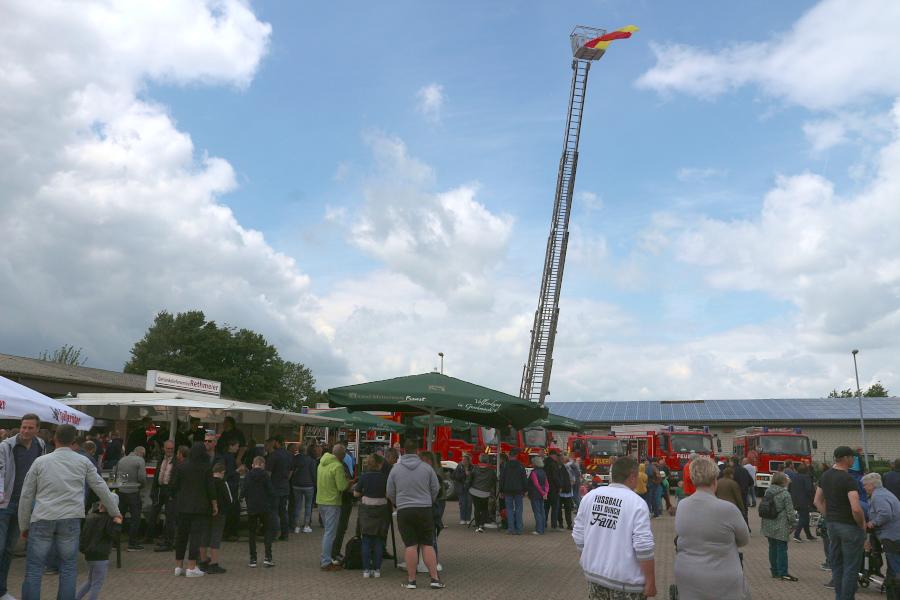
(441,395)
(362,420)
(558,423)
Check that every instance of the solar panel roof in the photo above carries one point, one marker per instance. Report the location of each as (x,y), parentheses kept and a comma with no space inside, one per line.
(754,410)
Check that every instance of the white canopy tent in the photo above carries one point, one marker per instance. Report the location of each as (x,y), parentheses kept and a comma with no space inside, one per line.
(16,400)
(170,405)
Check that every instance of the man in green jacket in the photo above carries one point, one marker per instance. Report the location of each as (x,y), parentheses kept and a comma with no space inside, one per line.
(330,482)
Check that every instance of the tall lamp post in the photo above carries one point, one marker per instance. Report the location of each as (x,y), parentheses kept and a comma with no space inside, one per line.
(441,354)
(862,422)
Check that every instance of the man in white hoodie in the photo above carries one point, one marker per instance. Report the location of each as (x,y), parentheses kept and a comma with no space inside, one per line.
(612,532)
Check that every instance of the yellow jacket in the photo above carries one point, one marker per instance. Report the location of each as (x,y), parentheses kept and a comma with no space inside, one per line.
(642,479)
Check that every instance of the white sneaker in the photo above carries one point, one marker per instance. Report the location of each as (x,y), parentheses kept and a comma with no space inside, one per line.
(463,522)
(195,572)
(178,571)
(490,526)
(296,530)
(366,574)
(307,529)
(401,565)
(440,567)
(421,568)
(376,573)
(7,596)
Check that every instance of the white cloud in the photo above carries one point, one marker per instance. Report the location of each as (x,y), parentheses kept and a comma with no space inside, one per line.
(698,174)
(834,258)
(431,101)
(590,201)
(445,241)
(846,126)
(839,53)
(107,212)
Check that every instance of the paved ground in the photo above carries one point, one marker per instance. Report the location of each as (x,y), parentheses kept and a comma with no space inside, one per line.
(478,566)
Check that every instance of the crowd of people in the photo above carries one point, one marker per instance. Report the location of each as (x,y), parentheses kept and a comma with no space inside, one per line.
(51,489)
(860,516)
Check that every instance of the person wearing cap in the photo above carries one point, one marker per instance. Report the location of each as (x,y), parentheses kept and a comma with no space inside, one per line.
(838,499)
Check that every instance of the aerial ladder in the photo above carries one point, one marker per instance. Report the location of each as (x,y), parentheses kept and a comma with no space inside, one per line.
(536,372)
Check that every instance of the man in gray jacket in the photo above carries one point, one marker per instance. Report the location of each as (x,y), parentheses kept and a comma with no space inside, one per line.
(17,454)
(51,510)
(412,487)
(131,473)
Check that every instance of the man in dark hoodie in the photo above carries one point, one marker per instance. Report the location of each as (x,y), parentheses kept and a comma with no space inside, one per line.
(412,487)
(513,481)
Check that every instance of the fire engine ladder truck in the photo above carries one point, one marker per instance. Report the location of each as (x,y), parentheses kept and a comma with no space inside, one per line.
(536,372)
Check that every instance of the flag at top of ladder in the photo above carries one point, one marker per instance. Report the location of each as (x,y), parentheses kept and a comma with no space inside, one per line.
(603,42)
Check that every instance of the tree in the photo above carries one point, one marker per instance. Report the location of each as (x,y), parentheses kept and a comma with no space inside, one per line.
(298,387)
(66,355)
(876,390)
(246,364)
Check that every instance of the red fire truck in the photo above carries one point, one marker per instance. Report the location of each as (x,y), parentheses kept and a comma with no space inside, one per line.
(596,453)
(674,443)
(768,448)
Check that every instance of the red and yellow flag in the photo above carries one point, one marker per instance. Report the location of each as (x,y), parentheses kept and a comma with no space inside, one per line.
(603,42)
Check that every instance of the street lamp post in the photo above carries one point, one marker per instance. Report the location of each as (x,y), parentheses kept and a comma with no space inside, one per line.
(862,422)
(441,354)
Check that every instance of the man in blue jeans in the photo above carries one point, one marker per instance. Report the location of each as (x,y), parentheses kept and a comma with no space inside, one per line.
(838,499)
(513,482)
(331,481)
(17,454)
(51,509)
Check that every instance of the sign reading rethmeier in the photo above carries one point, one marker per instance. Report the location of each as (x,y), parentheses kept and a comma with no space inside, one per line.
(160,381)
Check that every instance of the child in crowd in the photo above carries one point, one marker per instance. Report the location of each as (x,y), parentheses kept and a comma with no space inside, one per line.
(374,514)
(679,495)
(212,538)
(97,538)
(260,497)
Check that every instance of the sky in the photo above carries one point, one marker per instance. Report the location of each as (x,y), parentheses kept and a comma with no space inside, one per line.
(369,184)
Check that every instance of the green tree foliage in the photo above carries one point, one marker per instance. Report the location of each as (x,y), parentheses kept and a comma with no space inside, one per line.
(246,364)
(876,390)
(298,387)
(66,355)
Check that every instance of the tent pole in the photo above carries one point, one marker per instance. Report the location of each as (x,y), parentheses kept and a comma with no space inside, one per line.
(357,446)
(428,446)
(267,424)
(497,503)
(173,423)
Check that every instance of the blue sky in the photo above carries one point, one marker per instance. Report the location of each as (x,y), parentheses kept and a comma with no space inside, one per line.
(710,152)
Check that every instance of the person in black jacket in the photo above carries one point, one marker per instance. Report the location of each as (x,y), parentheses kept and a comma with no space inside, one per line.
(555,476)
(195,499)
(163,499)
(802,494)
(513,482)
(212,538)
(97,537)
(482,485)
(460,479)
(303,484)
(260,498)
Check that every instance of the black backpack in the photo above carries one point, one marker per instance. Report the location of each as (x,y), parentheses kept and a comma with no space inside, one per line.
(353,554)
(767,507)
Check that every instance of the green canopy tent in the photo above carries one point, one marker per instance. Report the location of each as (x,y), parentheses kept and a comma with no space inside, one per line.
(436,421)
(558,423)
(441,395)
(361,420)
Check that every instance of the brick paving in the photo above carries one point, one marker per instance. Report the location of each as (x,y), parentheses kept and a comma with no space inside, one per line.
(485,566)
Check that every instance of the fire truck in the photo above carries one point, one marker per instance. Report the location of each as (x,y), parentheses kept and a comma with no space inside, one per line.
(768,448)
(674,443)
(596,453)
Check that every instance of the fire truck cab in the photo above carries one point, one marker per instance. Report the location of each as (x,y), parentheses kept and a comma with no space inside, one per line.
(674,443)
(597,453)
(768,449)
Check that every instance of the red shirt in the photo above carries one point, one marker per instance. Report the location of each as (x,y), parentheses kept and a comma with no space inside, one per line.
(688,484)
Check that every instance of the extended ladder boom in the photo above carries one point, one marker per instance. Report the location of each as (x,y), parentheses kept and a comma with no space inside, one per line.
(536,372)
